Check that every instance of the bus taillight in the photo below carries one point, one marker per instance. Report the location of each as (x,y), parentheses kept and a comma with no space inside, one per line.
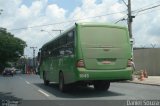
(130,63)
(80,63)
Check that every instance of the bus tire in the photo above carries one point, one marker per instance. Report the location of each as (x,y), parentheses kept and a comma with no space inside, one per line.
(46,82)
(62,86)
(101,85)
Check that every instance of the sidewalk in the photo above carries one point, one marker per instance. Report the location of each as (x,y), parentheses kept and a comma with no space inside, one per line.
(151,80)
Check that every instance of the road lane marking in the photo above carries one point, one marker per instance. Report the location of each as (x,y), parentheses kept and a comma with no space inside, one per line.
(43,93)
(27,82)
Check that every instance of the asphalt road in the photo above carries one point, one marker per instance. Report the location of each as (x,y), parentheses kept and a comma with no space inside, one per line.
(30,87)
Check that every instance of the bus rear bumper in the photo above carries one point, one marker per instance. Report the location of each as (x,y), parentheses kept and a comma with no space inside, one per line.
(108,75)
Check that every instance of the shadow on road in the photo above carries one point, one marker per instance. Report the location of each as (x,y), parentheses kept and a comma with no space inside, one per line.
(78,92)
(8,96)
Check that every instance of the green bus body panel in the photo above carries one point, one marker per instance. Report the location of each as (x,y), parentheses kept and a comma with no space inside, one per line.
(104,48)
(53,66)
(104,43)
(123,74)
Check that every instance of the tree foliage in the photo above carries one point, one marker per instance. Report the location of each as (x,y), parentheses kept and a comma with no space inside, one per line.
(11,48)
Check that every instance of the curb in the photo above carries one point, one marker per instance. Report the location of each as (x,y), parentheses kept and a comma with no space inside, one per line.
(143,83)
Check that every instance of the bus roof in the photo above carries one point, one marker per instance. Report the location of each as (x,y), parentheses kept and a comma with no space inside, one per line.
(86,24)
(100,24)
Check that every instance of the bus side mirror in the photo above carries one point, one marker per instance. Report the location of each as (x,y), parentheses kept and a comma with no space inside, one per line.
(132,41)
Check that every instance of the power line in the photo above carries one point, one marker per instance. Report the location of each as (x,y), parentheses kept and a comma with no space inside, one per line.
(140,10)
(124,2)
(83,18)
(147,12)
(87,5)
(148,8)
(122,19)
(76,14)
(68,21)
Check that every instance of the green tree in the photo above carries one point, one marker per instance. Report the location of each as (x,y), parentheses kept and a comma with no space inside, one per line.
(11,48)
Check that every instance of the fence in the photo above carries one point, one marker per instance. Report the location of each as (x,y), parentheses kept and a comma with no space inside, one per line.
(149,59)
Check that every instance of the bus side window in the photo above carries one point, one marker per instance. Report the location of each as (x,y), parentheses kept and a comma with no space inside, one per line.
(49,53)
(62,51)
(70,43)
(70,37)
(62,42)
(56,52)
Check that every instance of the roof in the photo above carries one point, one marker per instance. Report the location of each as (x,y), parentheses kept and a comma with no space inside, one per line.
(86,24)
(100,24)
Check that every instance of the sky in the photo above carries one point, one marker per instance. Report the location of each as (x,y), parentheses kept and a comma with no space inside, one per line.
(27,18)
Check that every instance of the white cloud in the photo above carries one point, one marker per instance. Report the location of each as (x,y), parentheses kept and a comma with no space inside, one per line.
(55,12)
(90,8)
(23,12)
(17,15)
(23,16)
(145,27)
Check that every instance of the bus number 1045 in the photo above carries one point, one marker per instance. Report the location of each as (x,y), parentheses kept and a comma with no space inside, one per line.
(84,75)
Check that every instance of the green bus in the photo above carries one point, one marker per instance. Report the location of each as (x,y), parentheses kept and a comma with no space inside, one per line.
(87,54)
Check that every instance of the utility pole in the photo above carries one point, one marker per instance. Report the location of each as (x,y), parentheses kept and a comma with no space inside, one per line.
(47,32)
(130,18)
(60,31)
(34,65)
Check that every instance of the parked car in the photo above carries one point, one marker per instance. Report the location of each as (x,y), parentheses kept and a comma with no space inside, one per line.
(8,71)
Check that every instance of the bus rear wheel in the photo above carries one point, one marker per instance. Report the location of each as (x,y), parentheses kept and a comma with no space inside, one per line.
(101,85)
(62,86)
(46,82)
